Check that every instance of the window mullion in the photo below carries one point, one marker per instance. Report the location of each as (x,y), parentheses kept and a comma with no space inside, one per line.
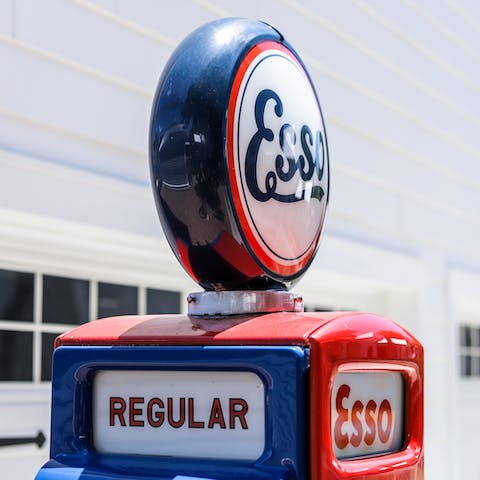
(93,305)
(142,300)
(37,325)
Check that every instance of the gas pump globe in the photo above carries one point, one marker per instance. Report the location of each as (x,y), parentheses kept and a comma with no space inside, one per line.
(239,158)
(247,384)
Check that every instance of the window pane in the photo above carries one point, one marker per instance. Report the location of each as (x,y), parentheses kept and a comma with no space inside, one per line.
(465,336)
(310,308)
(48,341)
(16,356)
(16,296)
(116,300)
(466,365)
(65,300)
(476,366)
(162,301)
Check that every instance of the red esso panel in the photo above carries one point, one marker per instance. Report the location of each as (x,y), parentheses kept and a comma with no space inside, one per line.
(366,400)
(368,412)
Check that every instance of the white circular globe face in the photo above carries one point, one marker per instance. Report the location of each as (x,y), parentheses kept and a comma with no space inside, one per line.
(277,159)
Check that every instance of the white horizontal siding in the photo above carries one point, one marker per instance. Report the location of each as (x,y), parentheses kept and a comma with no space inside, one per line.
(403,178)
(6,17)
(88,38)
(174,19)
(432,39)
(56,145)
(49,91)
(67,193)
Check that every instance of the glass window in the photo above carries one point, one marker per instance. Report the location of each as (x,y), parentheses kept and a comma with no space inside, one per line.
(476,365)
(16,356)
(465,336)
(466,365)
(469,351)
(16,296)
(48,342)
(116,299)
(162,301)
(310,308)
(65,300)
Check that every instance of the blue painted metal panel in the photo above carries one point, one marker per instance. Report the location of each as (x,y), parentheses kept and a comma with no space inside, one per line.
(283,370)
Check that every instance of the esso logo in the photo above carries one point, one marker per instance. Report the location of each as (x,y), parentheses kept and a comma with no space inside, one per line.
(367,414)
(377,418)
(277,159)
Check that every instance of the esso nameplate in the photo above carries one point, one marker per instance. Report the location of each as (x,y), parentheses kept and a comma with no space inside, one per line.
(367,414)
(179,413)
(278,160)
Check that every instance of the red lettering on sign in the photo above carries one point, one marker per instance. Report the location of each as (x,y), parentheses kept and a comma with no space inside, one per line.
(191,420)
(370,419)
(356,437)
(216,415)
(152,412)
(117,407)
(341,439)
(385,409)
(382,423)
(134,412)
(181,418)
(238,413)
(155,419)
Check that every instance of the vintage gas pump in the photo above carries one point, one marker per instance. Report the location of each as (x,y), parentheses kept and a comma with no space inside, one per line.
(246,385)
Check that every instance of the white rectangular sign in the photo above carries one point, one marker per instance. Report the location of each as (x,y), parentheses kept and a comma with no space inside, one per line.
(367,414)
(179,413)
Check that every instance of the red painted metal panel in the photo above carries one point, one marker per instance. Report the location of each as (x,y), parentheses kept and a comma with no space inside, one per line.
(365,342)
(264,329)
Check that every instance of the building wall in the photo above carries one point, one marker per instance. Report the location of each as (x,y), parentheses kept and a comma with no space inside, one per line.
(398,83)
